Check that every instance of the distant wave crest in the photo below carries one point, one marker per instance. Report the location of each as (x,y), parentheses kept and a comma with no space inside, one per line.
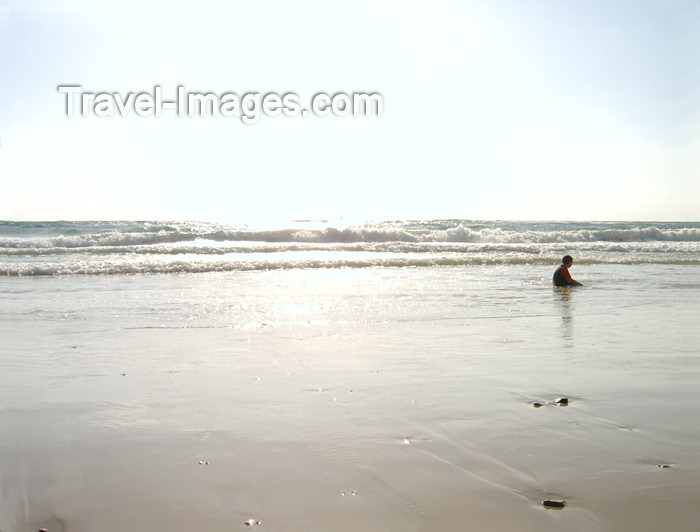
(103,248)
(458,234)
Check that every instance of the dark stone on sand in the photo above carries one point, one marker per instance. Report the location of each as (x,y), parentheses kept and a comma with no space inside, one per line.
(562,401)
(553,504)
(663,466)
(537,405)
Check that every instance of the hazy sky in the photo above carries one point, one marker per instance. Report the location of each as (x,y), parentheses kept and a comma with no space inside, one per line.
(509,109)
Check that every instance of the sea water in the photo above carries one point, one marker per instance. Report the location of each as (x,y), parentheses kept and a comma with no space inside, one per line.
(402,332)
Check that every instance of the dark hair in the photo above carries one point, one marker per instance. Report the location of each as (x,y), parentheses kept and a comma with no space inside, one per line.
(567,259)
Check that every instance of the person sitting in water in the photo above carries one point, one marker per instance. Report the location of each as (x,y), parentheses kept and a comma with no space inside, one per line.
(562,277)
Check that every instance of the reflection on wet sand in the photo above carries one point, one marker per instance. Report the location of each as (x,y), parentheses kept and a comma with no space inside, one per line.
(563,299)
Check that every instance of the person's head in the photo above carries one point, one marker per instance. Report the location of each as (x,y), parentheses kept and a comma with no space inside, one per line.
(567,260)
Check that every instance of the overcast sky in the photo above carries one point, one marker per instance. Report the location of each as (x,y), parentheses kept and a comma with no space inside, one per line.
(493,109)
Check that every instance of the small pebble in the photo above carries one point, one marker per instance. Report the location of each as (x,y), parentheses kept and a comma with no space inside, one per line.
(562,401)
(663,466)
(204,462)
(251,522)
(537,405)
(344,493)
(553,504)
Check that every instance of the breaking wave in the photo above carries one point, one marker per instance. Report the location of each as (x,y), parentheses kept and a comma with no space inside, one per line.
(89,248)
(457,234)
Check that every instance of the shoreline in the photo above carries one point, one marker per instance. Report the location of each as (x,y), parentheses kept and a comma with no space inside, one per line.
(388,399)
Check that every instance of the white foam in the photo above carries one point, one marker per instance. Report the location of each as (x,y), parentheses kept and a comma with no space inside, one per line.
(89,248)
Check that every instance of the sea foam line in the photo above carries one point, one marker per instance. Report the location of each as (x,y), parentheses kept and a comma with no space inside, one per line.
(82,267)
(459,234)
(208,248)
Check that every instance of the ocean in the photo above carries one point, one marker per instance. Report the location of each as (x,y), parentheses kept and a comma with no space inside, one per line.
(91,248)
(379,376)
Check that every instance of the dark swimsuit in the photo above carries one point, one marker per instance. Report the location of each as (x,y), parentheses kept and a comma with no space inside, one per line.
(560,277)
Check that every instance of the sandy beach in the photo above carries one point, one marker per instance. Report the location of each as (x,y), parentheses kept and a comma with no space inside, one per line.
(289,266)
(113,422)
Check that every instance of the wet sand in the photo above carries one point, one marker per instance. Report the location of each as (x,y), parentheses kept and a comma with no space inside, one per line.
(407,426)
